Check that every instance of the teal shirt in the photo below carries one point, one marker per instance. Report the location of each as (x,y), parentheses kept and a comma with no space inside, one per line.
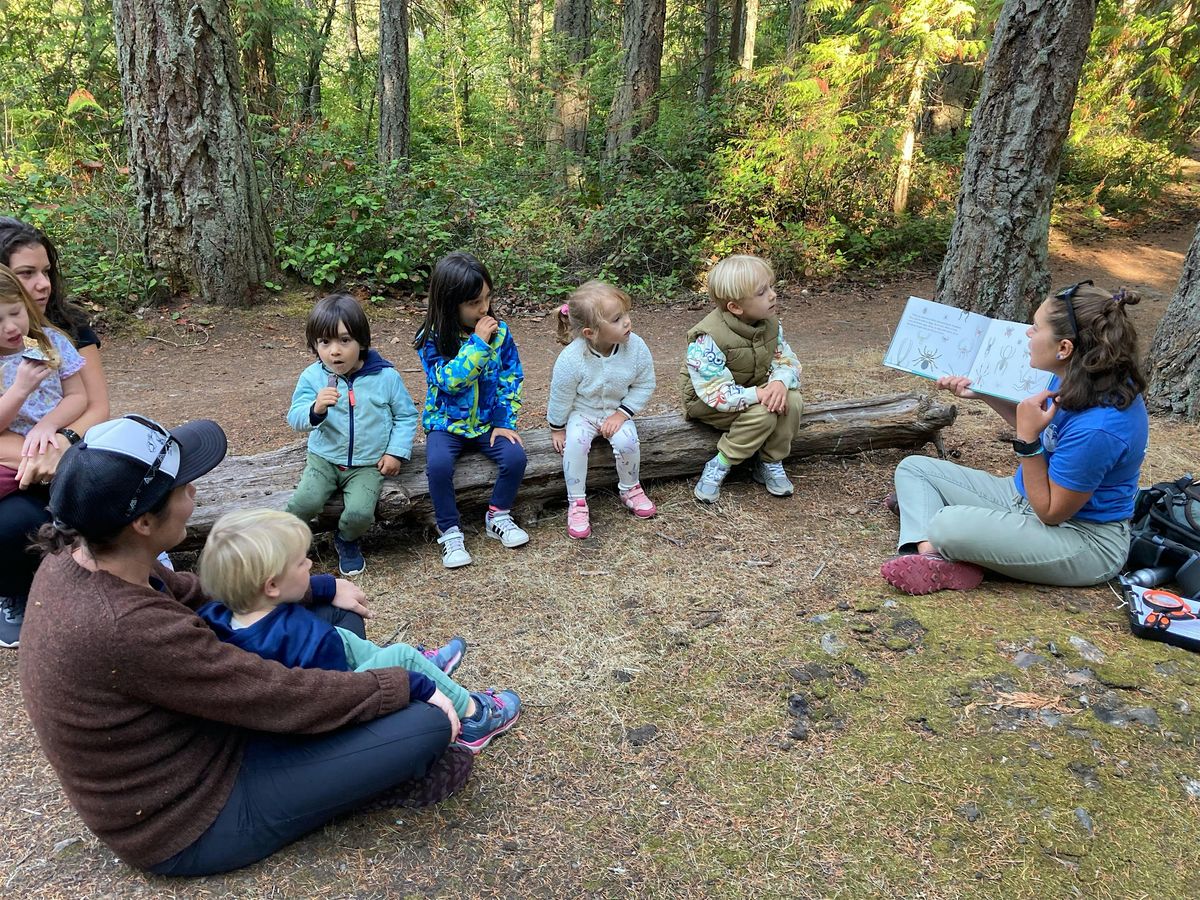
(477,390)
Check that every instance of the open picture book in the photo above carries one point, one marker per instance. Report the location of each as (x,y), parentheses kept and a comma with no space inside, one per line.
(933,339)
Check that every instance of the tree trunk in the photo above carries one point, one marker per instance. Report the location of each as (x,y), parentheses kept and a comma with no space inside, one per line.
(566,137)
(951,93)
(258,62)
(908,141)
(537,32)
(797,27)
(355,47)
(1173,362)
(707,85)
(996,259)
(310,88)
(671,448)
(393,80)
(749,35)
(634,106)
(737,32)
(202,216)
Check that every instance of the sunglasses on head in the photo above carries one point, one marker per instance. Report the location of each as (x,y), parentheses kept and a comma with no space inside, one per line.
(152,472)
(1065,296)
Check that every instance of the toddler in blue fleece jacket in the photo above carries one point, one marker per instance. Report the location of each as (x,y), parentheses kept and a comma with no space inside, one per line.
(356,436)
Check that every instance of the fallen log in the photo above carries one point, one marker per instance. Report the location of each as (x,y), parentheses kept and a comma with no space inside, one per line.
(672,447)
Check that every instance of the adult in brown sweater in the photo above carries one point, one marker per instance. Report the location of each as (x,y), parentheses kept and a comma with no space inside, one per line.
(184,754)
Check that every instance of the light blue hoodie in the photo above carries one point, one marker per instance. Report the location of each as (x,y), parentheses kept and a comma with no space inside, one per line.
(374,414)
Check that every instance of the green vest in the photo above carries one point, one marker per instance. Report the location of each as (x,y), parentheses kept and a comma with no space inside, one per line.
(749,349)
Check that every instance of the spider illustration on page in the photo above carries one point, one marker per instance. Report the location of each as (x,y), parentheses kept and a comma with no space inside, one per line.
(1006,353)
(1026,383)
(926,359)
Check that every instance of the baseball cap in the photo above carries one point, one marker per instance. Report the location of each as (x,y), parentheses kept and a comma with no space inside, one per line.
(125,467)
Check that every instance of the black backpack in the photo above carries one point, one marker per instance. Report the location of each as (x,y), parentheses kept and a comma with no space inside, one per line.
(1164,550)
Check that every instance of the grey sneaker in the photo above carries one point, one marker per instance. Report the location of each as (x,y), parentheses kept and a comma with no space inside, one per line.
(12,616)
(771,475)
(708,488)
(454,554)
(503,528)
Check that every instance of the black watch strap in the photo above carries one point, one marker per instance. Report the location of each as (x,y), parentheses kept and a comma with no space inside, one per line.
(1027,448)
(72,436)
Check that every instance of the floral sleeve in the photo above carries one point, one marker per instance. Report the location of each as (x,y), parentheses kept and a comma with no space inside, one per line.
(713,381)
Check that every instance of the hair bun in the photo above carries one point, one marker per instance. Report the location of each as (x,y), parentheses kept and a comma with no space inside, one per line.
(1125,297)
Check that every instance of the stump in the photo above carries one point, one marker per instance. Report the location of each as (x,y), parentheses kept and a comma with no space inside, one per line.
(672,447)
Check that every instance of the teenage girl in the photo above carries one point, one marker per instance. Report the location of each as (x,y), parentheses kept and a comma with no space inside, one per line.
(475,378)
(601,381)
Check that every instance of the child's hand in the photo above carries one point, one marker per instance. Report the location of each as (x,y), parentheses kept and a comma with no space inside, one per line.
(558,438)
(389,465)
(958,385)
(774,397)
(39,438)
(30,373)
(326,397)
(486,328)
(512,436)
(442,702)
(349,596)
(612,424)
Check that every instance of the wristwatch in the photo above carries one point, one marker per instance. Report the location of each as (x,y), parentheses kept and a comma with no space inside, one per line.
(72,436)
(1028,448)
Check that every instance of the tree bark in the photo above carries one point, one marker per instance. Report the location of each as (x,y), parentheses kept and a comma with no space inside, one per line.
(671,448)
(202,218)
(797,27)
(393,81)
(310,89)
(737,32)
(258,63)
(749,35)
(707,85)
(949,97)
(635,107)
(996,259)
(1173,361)
(566,136)
(908,141)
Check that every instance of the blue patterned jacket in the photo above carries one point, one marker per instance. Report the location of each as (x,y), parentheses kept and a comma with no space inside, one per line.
(476,391)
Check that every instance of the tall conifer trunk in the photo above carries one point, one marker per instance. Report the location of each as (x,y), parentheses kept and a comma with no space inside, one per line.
(570,46)
(634,107)
(1173,362)
(198,197)
(393,80)
(996,259)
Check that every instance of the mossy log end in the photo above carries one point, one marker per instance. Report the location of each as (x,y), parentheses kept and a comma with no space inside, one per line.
(672,447)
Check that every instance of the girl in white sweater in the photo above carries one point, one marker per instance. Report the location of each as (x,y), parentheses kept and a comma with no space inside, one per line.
(601,381)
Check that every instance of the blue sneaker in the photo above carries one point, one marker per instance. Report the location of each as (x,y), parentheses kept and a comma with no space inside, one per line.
(447,658)
(497,712)
(350,558)
(12,617)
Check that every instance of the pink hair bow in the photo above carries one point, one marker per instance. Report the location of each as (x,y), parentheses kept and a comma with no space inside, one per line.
(564,310)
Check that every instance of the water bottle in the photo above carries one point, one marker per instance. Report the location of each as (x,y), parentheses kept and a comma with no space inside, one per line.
(1151,576)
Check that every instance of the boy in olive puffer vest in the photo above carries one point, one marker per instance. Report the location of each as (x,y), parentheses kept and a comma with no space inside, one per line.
(741,377)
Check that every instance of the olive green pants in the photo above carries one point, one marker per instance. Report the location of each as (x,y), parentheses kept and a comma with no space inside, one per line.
(360,486)
(753,430)
(973,516)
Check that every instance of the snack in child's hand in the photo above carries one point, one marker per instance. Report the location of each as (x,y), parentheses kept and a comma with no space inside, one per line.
(33,350)
(332,380)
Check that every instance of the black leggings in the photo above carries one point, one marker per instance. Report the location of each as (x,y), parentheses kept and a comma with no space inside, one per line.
(289,785)
(21,514)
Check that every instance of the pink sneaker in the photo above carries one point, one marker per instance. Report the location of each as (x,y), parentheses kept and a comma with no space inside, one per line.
(638,503)
(926,573)
(579,524)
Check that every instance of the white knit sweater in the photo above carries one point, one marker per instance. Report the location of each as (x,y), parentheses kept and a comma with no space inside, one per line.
(596,386)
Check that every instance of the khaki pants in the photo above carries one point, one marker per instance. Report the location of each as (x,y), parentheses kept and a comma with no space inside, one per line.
(753,430)
(973,516)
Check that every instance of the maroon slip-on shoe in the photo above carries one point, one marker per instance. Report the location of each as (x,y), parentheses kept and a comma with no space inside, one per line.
(926,573)
(892,502)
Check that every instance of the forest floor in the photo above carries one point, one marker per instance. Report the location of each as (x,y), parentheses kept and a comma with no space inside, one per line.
(1015,741)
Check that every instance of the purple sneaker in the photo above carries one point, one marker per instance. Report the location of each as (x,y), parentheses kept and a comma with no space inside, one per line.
(449,657)
(500,711)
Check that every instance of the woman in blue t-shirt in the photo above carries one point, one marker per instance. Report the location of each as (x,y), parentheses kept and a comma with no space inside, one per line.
(1064,517)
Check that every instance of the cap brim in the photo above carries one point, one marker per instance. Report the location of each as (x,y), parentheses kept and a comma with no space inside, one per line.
(202,446)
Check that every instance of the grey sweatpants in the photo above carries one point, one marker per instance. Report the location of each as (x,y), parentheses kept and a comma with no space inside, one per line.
(972,516)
